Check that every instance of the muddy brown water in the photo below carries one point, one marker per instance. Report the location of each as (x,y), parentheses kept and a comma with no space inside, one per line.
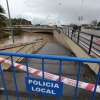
(27,37)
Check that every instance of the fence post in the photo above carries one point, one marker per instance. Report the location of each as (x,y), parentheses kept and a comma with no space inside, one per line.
(78,37)
(97,80)
(26,59)
(43,96)
(65,31)
(72,34)
(78,76)
(68,32)
(14,76)
(90,44)
(2,77)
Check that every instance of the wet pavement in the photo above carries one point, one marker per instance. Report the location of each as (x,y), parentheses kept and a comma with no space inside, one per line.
(69,70)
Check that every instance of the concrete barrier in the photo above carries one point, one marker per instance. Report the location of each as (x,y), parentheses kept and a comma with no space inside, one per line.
(29,47)
(78,51)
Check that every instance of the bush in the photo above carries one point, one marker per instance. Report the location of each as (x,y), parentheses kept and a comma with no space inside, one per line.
(5,34)
(17,31)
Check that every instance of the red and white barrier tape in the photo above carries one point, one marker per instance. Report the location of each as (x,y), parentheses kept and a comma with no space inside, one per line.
(83,85)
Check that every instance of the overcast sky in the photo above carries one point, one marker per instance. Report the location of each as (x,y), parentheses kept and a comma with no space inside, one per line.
(49,11)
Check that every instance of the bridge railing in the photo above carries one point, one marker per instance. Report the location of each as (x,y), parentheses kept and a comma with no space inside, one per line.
(44,57)
(89,41)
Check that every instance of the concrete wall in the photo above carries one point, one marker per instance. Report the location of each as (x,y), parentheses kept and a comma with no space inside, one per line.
(78,51)
(29,47)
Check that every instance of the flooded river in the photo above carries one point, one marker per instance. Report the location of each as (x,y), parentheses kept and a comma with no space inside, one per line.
(27,37)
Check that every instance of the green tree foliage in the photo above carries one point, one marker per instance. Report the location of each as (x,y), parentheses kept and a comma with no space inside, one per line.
(17,31)
(98,24)
(20,21)
(5,34)
(2,20)
(94,22)
(85,25)
(1,9)
(72,24)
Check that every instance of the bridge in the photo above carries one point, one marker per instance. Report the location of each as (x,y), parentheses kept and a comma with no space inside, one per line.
(57,62)
(34,29)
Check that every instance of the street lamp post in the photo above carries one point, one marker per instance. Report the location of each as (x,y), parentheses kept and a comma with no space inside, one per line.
(59,14)
(81,17)
(10,21)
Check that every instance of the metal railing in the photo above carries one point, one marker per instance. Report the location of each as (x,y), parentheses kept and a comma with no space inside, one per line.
(50,57)
(86,39)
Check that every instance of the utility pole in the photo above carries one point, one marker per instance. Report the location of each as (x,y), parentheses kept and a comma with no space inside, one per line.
(81,17)
(10,22)
(59,15)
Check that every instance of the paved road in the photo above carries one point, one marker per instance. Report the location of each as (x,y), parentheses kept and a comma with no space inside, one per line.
(69,70)
(91,31)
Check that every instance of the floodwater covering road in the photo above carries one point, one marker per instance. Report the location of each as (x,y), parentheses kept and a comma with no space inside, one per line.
(27,37)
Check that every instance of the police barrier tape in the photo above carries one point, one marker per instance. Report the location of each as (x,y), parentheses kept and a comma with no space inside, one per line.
(83,85)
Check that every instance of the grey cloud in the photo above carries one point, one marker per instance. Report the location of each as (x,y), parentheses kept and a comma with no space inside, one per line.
(49,10)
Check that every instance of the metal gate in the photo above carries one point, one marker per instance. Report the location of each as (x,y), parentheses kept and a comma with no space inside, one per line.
(59,78)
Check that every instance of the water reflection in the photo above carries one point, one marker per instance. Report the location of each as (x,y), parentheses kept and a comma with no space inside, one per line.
(26,37)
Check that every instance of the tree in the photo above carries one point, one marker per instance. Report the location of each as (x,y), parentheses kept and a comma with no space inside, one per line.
(13,22)
(2,20)
(1,10)
(17,31)
(98,24)
(72,24)
(94,22)
(20,21)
